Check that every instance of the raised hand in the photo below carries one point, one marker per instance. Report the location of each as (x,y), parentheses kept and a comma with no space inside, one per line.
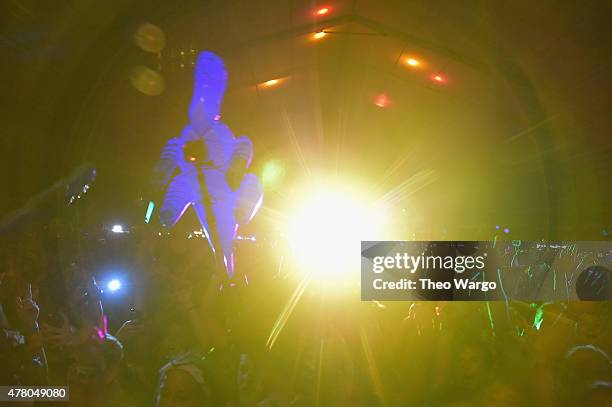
(59,336)
(27,310)
(129,329)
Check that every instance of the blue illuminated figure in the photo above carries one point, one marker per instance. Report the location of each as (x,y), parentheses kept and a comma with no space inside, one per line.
(206,168)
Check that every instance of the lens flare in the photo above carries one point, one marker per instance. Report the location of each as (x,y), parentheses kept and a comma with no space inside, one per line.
(147,81)
(150,38)
(272,173)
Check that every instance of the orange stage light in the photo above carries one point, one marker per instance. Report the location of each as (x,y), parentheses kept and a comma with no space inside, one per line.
(271,82)
(413,62)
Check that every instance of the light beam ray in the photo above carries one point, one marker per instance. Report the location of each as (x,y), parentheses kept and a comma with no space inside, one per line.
(416,182)
(296,144)
(319,371)
(396,166)
(372,368)
(272,214)
(287,311)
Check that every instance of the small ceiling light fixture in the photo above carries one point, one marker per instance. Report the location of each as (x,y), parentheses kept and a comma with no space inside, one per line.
(323,11)
(271,82)
(413,62)
(381,100)
(319,35)
(438,78)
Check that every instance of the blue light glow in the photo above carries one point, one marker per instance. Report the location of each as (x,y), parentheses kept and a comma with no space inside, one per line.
(113,285)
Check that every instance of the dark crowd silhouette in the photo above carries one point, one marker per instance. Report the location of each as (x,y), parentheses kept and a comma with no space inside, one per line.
(180,340)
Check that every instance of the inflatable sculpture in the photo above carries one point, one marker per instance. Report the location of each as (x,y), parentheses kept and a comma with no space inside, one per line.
(206,168)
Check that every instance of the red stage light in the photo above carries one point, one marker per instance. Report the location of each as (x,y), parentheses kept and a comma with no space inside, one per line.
(382,100)
(438,78)
(323,11)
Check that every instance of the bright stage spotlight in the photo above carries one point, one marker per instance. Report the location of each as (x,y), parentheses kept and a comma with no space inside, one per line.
(114,285)
(325,234)
(117,229)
